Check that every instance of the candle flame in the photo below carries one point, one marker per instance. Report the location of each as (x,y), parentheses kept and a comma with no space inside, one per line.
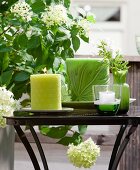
(45,70)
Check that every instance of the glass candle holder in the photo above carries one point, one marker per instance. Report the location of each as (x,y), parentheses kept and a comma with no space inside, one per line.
(107,98)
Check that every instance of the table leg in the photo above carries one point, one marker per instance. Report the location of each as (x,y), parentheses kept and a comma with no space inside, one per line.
(121,147)
(28,147)
(116,145)
(39,148)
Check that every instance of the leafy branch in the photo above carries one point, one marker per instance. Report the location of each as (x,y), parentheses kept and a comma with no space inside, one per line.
(116,60)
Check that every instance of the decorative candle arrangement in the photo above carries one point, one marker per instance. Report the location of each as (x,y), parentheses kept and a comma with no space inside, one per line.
(46,92)
(107,98)
(83,73)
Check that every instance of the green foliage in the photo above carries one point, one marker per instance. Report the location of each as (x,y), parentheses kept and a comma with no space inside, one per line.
(116,60)
(75,139)
(28,45)
(82,129)
(64,134)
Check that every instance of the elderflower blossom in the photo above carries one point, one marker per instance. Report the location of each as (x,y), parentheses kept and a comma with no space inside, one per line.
(83,155)
(22,9)
(7,105)
(54,15)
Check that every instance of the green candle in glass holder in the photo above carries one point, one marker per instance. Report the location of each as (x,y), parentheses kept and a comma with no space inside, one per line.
(107,98)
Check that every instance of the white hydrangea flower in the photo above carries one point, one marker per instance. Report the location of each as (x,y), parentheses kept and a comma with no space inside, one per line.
(85,25)
(83,155)
(54,15)
(7,105)
(22,9)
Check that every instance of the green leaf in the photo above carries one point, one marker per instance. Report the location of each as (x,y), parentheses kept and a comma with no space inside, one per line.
(82,129)
(49,38)
(15,22)
(8,37)
(25,102)
(67,44)
(91,18)
(75,139)
(48,2)
(34,42)
(74,30)
(76,43)
(4,61)
(22,76)
(19,89)
(84,38)
(4,48)
(44,129)
(70,53)
(38,6)
(22,40)
(6,77)
(55,132)
(67,3)
(35,52)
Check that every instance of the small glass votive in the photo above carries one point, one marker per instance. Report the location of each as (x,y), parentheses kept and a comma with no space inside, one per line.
(107,98)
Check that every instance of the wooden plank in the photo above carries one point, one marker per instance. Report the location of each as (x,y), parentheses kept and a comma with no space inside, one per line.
(128,58)
(131,157)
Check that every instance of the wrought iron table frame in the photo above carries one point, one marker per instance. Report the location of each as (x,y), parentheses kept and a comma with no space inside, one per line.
(126,122)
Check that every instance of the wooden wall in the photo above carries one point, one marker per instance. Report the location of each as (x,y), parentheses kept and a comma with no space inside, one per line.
(131,157)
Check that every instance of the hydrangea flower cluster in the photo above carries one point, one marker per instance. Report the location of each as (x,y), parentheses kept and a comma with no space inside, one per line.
(7,105)
(83,155)
(21,8)
(54,15)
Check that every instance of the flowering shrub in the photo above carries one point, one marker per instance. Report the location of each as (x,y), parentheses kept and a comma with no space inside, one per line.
(83,155)
(35,35)
(7,105)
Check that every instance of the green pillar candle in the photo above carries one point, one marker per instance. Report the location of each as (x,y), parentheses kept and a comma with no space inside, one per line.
(83,73)
(46,92)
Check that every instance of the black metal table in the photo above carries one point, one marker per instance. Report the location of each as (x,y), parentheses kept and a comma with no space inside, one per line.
(129,123)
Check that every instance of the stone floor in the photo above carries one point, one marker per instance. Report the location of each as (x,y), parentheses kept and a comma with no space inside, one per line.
(57,159)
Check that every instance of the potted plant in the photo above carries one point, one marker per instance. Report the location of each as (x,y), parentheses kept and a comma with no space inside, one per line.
(119,69)
(37,35)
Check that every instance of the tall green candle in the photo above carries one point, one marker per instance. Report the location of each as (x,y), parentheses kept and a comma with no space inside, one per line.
(46,92)
(83,73)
